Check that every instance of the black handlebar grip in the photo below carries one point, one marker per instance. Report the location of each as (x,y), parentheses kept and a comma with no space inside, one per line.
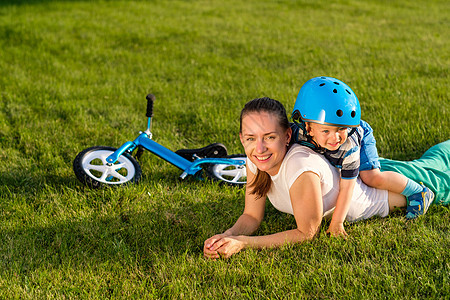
(150,99)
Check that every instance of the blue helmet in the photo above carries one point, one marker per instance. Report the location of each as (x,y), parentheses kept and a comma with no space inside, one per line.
(327,101)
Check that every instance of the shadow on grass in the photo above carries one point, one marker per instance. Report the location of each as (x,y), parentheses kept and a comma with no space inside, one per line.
(126,237)
(23,181)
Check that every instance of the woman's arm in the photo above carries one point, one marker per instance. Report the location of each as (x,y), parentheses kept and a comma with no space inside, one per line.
(306,199)
(246,224)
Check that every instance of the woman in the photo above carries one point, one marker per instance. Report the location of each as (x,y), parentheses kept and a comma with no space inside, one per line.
(295,179)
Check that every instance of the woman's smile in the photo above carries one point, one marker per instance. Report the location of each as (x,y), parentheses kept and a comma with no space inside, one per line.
(263,158)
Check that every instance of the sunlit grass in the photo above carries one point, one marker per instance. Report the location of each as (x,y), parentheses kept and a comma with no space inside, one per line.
(74,74)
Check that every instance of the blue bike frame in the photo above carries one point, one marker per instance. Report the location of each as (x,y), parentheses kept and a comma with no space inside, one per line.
(188,167)
(145,140)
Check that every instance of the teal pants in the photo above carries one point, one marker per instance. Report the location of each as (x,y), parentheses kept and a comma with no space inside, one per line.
(433,169)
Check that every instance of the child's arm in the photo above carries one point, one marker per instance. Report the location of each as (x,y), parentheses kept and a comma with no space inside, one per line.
(346,187)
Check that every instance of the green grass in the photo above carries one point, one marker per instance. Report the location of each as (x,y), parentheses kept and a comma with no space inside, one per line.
(74,74)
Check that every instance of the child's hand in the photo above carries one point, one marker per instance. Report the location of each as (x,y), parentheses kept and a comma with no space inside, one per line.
(337,230)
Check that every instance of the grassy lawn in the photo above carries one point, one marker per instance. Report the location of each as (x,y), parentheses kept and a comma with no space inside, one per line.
(74,74)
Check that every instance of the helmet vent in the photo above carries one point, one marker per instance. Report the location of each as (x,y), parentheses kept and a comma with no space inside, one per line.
(322,84)
(353,114)
(339,113)
(348,91)
(335,91)
(336,83)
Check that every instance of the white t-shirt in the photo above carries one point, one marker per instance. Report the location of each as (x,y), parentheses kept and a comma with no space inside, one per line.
(366,201)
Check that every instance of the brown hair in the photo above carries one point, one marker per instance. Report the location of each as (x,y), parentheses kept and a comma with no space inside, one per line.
(262,182)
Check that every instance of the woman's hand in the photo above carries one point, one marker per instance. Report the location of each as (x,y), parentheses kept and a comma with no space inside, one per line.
(209,243)
(222,246)
(337,230)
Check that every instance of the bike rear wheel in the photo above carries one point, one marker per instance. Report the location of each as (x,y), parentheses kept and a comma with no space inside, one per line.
(91,168)
(235,175)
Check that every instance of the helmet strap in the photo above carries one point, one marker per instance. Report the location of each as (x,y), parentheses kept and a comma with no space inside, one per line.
(310,142)
(352,131)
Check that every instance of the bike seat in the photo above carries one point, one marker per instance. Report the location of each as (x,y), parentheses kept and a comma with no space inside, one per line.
(213,150)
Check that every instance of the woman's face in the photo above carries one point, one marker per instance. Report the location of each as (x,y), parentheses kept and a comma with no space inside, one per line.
(264,140)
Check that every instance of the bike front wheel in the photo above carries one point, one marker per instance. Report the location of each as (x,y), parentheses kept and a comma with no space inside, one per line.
(235,175)
(91,168)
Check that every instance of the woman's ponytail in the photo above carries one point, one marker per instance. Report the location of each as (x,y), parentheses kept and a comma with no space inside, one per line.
(262,182)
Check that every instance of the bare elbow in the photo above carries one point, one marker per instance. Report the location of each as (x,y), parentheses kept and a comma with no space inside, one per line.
(308,234)
(252,221)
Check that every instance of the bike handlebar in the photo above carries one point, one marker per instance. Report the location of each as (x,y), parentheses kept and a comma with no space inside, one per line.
(150,99)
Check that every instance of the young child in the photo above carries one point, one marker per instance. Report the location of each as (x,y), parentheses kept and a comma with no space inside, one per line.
(327,118)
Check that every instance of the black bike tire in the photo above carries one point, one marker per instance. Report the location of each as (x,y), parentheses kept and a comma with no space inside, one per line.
(93,183)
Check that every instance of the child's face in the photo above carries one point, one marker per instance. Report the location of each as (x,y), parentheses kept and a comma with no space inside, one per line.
(328,137)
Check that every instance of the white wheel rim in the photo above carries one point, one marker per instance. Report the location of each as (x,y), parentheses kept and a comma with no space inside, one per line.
(231,173)
(109,174)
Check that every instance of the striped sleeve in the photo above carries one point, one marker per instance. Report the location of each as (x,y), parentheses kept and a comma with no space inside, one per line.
(350,164)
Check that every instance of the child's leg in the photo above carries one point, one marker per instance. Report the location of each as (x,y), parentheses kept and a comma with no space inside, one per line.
(432,168)
(396,201)
(370,169)
(391,181)
(436,158)
(418,196)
